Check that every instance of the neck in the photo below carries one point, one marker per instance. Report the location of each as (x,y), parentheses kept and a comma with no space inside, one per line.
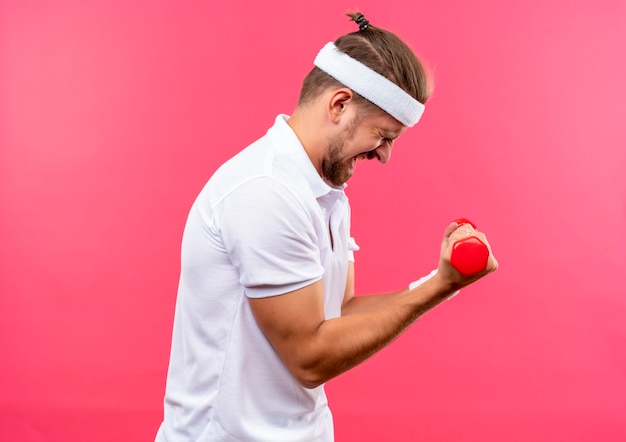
(308,129)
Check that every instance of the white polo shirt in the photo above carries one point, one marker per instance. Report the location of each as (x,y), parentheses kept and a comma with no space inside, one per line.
(260,227)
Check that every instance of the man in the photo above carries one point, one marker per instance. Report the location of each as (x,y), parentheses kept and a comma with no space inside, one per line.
(266,311)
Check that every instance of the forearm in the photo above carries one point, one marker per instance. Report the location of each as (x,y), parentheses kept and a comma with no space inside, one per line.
(370,324)
(365,303)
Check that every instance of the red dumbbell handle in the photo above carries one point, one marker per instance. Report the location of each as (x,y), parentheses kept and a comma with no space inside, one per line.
(469,255)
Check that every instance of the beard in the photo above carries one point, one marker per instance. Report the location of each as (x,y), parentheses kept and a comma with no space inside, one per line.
(335,169)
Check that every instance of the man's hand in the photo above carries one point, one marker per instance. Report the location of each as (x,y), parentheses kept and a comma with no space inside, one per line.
(456,232)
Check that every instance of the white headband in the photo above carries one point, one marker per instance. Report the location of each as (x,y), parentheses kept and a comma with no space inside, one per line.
(368,83)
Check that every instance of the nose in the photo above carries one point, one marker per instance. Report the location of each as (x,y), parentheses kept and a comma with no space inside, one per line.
(383,152)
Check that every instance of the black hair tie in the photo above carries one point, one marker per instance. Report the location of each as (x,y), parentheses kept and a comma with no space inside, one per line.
(362,22)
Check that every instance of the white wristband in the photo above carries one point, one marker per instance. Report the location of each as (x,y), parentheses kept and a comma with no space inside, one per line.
(423,279)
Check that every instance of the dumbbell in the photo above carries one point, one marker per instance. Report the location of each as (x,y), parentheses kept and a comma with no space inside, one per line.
(469,255)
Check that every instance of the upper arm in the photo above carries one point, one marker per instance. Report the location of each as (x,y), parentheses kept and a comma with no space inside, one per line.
(291,322)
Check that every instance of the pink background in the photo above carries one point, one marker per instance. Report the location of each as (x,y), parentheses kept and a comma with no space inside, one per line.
(114,113)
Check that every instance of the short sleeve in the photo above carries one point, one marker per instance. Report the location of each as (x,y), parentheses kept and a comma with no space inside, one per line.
(270,237)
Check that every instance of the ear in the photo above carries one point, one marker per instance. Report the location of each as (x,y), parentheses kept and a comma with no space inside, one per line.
(338,102)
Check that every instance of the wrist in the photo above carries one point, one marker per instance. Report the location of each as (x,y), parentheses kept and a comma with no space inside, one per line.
(443,287)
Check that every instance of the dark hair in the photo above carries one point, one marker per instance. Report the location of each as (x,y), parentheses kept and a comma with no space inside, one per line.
(381,51)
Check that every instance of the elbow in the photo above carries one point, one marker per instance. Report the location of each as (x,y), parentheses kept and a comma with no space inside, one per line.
(309,383)
(309,378)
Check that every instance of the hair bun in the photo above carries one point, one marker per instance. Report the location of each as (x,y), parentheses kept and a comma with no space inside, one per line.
(362,22)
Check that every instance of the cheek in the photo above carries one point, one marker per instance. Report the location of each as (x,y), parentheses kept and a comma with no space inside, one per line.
(370,145)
